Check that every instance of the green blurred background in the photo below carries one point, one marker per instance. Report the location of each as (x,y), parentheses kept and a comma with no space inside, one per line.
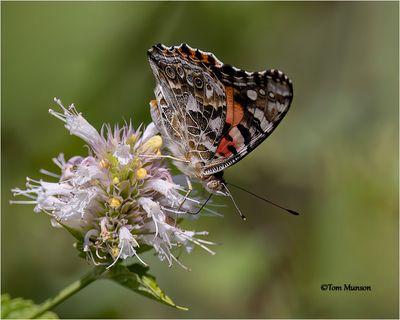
(334,157)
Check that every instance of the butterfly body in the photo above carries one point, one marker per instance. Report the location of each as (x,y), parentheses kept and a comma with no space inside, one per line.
(210,114)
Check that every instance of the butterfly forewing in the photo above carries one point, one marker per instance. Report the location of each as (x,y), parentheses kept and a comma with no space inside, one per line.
(256,103)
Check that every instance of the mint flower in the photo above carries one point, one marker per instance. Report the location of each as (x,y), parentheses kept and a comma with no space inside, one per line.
(118,200)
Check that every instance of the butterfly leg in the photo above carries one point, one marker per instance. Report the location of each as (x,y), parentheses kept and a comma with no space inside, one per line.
(190,189)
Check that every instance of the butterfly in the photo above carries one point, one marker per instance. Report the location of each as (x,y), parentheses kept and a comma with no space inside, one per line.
(210,114)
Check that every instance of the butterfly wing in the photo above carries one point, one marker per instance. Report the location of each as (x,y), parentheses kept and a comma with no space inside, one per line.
(256,103)
(211,113)
(190,110)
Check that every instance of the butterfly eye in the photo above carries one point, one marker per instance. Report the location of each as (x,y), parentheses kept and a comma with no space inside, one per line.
(170,72)
(180,72)
(198,82)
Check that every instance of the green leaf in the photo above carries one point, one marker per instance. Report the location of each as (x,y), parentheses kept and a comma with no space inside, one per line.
(143,248)
(19,308)
(136,278)
(74,232)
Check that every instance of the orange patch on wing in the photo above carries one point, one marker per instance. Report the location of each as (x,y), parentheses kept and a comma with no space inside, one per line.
(193,54)
(223,147)
(205,58)
(234,110)
(234,114)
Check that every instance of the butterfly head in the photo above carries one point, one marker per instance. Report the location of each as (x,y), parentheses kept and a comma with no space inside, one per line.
(215,184)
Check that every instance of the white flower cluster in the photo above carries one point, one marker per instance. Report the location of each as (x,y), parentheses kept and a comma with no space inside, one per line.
(119,197)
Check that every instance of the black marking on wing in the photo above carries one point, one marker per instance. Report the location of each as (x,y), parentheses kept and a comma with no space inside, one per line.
(245,133)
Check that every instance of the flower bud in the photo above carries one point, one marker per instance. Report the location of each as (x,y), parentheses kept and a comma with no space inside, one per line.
(115,180)
(141,173)
(115,203)
(152,145)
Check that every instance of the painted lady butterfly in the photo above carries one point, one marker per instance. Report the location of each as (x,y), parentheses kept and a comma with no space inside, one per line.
(211,114)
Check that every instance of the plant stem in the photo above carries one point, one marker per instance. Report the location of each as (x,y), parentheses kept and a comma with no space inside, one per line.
(70,290)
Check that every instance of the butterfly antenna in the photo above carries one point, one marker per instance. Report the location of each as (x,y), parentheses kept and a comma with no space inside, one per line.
(234,202)
(266,200)
(203,205)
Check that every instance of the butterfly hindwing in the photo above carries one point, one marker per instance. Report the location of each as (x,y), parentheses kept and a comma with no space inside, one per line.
(190,105)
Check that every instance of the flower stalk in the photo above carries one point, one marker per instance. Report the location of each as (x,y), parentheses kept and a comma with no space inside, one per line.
(70,290)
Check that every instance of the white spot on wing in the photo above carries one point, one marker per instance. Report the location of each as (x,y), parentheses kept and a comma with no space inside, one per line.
(214,124)
(271,95)
(236,136)
(252,95)
(281,107)
(191,104)
(259,114)
(209,92)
